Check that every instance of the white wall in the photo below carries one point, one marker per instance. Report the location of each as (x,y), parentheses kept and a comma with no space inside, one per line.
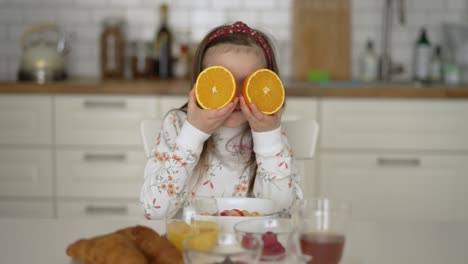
(82,17)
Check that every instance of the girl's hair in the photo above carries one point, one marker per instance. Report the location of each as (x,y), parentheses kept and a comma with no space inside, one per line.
(236,39)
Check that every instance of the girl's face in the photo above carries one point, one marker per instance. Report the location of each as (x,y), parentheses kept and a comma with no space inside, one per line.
(241,61)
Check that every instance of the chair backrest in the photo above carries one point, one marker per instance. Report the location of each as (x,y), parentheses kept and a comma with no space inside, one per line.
(302,135)
(149,129)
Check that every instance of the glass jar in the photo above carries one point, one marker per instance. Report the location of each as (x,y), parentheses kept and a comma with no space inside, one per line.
(141,59)
(112,48)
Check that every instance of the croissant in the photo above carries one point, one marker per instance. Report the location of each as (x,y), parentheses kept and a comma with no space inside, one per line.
(158,249)
(112,248)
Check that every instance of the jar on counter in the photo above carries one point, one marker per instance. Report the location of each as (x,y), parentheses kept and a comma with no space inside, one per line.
(112,48)
(141,59)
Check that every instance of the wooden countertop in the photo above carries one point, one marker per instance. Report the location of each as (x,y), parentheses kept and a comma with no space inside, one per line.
(181,87)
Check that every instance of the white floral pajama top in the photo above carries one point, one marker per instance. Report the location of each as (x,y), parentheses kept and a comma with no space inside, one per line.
(176,153)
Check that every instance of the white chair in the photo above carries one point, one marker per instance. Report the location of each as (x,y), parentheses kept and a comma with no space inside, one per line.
(149,129)
(302,135)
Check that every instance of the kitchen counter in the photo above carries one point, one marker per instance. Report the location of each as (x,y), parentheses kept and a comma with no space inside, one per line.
(180,87)
(45,240)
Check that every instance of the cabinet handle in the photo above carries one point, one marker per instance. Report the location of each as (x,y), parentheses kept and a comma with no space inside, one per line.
(409,162)
(106,209)
(104,157)
(104,104)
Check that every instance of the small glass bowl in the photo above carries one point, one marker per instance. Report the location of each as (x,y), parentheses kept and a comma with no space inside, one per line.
(278,236)
(201,249)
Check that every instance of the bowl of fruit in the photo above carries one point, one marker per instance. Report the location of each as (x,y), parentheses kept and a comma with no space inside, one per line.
(233,210)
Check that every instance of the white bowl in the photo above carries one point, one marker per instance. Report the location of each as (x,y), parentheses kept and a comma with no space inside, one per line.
(265,207)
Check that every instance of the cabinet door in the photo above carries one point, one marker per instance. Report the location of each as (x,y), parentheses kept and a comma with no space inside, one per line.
(25,119)
(102,120)
(390,186)
(121,209)
(37,208)
(394,124)
(25,172)
(100,173)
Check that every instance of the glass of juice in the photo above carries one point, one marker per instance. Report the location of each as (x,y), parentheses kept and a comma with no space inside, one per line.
(321,226)
(184,219)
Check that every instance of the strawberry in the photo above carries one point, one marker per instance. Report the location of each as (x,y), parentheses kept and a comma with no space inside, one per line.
(225,213)
(271,245)
(248,241)
(236,212)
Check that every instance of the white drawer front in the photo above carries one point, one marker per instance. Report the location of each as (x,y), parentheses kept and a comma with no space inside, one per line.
(99,209)
(394,124)
(25,172)
(25,119)
(296,107)
(102,120)
(99,173)
(388,186)
(26,209)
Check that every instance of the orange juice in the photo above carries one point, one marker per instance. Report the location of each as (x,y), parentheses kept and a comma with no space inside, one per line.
(178,231)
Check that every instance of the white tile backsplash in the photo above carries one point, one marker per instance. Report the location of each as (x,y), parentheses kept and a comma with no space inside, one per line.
(83,19)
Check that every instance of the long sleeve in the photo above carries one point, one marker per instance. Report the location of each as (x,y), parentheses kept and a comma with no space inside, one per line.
(174,156)
(276,173)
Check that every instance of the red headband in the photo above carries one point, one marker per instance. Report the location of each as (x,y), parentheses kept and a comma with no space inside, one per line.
(241,28)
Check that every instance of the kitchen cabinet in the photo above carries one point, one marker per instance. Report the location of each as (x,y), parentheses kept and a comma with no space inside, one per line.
(26,156)
(395,160)
(99,153)
(99,208)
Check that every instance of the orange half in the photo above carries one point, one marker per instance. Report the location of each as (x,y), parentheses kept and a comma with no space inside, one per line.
(265,89)
(215,87)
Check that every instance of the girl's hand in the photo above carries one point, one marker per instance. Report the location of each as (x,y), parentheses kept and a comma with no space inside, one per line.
(207,120)
(258,121)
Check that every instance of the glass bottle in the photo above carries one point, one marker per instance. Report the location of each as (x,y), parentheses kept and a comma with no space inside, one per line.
(369,63)
(141,60)
(422,57)
(112,48)
(163,46)
(436,65)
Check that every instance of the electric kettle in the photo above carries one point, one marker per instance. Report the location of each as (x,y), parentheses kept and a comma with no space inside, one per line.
(43,58)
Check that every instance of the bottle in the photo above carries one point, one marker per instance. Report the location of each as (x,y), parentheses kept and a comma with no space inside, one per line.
(435,68)
(368,63)
(141,61)
(163,46)
(112,48)
(422,57)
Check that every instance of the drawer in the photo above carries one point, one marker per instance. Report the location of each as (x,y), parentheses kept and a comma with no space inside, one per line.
(102,120)
(398,187)
(99,209)
(26,172)
(25,119)
(37,208)
(100,173)
(394,124)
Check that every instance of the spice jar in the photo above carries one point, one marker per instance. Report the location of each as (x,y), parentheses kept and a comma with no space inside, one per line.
(113,48)
(141,59)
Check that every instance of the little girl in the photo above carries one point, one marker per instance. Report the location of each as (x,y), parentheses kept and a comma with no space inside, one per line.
(234,151)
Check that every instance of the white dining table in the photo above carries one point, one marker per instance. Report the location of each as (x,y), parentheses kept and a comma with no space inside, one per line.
(44,241)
